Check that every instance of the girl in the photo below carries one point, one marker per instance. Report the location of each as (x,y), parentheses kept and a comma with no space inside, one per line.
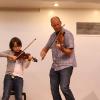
(14,73)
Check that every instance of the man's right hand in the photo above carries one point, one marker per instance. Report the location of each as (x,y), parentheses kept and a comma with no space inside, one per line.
(43,53)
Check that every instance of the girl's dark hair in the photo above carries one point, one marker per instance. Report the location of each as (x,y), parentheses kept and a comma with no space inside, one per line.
(13,41)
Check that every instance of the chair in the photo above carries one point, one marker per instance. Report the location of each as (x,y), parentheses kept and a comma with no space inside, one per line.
(23,94)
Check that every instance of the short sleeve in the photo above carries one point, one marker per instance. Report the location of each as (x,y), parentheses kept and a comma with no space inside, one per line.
(69,40)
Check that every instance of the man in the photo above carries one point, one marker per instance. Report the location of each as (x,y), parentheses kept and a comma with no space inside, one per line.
(62,44)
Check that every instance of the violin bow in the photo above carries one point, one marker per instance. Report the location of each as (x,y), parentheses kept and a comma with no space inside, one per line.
(26,48)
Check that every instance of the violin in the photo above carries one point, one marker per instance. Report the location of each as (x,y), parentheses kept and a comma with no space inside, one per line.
(60,38)
(22,55)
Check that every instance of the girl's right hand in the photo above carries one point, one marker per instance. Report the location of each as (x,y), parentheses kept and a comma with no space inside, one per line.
(12,58)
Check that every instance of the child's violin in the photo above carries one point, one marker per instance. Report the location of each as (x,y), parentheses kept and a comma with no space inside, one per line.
(22,55)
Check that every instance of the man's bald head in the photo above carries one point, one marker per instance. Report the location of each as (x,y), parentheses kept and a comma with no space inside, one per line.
(56,23)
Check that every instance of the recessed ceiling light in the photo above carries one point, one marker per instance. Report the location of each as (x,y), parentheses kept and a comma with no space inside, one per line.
(56,4)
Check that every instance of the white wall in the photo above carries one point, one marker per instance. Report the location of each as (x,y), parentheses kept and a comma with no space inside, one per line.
(36,24)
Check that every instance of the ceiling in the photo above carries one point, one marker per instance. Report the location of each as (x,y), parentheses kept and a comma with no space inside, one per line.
(30,4)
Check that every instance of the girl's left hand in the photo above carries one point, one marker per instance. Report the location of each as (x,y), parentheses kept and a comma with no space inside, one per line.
(30,58)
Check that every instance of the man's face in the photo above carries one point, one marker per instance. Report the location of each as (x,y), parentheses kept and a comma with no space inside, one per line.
(56,24)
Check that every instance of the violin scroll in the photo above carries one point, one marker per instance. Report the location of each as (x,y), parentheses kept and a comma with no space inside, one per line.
(34,59)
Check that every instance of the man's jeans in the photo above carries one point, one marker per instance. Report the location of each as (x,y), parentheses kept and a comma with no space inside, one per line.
(15,83)
(61,78)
